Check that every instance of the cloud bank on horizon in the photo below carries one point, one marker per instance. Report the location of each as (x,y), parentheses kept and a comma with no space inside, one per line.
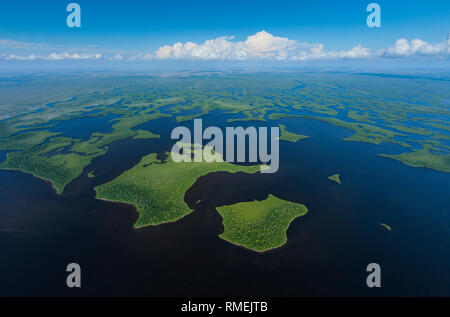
(260,46)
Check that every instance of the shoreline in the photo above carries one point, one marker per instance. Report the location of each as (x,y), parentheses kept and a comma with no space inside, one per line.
(37,176)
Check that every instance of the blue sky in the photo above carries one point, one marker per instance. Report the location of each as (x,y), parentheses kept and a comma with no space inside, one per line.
(136,27)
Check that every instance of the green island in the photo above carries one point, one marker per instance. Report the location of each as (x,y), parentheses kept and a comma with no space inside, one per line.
(157,188)
(30,155)
(289,136)
(423,158)
(335,178)
(144,134)
(259,225)
(388,228)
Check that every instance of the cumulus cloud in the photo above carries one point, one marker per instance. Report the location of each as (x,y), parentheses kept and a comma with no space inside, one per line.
(259,46)
(416,47)
(264,45)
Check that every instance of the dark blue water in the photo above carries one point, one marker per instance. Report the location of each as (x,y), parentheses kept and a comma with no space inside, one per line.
(84,127)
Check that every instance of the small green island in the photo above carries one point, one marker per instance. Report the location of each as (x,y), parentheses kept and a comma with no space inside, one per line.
(289,136)
(157,188)
(259,225)
(335,178)
(388,228)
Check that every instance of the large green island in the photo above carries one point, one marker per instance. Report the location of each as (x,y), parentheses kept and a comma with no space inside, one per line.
(259,225)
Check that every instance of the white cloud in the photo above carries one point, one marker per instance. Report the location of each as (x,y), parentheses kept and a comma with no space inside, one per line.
(18,58)
(221,48)
(316,52)
(75,56)
(416,47)
(51,57)
(260,46)
(264,45)
(356,52)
